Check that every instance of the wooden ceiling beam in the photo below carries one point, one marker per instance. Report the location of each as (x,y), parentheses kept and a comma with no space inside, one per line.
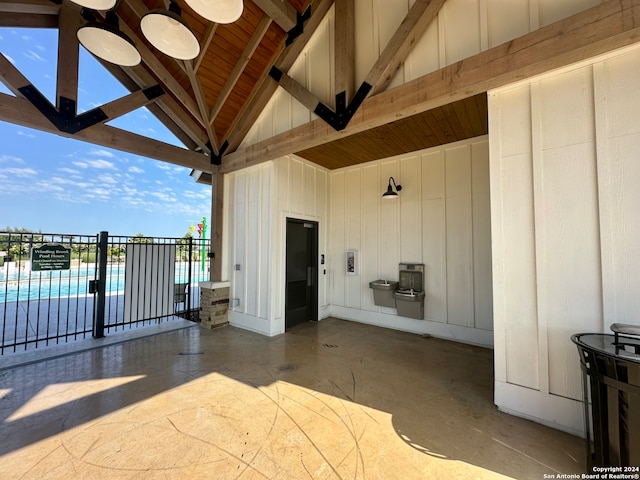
(344,46)
(246,55)
(126,104)
(281,12)
(202,105)
(598,30)
(21,112)
(28,20)
(31,7)
(206,41)
(266,87)
(12,77)
(419,17)
(298,91)
(69,21)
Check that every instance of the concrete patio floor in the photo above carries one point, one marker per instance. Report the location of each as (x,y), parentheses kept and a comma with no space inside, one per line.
(327,400)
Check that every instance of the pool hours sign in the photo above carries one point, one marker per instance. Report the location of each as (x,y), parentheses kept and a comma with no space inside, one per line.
(50,257)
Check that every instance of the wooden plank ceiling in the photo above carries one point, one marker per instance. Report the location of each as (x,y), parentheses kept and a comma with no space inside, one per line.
(211,102)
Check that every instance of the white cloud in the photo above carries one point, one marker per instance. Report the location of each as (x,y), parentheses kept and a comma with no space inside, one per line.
(20,172)
(10,158)
(100,164)
(192,194)
(107,178)
(25,134)
(163,166)
(163,196)
(101,153)
(31,55)
(70,171)
(136,170)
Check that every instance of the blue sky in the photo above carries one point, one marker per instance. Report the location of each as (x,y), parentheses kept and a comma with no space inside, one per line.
(53,184)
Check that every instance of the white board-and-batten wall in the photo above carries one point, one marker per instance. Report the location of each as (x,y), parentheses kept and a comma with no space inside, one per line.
(538,243)
(440,219)
(565,170)
(257,202)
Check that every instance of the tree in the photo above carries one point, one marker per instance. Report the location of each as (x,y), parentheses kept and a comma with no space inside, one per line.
(140,238)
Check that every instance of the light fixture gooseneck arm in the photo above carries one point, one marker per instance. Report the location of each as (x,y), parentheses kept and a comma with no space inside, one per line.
(397,187)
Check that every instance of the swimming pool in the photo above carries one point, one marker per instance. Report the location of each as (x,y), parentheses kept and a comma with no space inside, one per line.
(22,285)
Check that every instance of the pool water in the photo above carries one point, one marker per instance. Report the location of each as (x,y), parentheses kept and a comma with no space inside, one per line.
(22,286)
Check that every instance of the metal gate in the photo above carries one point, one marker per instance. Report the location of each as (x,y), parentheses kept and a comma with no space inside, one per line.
(58,288)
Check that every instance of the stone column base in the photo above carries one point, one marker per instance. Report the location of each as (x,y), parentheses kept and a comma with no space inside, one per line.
(214,304)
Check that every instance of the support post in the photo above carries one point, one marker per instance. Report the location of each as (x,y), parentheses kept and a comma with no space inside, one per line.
(98,316)
(217,201)
(189,275)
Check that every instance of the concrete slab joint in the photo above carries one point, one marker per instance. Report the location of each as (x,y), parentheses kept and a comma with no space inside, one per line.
(214,304)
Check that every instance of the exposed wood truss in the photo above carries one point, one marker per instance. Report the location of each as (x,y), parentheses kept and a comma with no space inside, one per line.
(211,102)
(208,103)
(603,28)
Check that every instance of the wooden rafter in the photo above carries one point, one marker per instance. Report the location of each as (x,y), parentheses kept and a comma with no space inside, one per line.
(598,30)
(157,67)
(344,46)
(202,105)
(204,46)
(21,112)
(265,88)
(68,55)
(417,19)
(280,12)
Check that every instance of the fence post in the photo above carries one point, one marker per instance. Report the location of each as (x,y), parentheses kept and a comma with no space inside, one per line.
(98,317)
(189,275)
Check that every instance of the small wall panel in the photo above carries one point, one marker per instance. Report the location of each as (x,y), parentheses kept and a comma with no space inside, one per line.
(320,61)
(296,187)
(566,105)
(506,19)
(410,213)
(239,240)
(389,226)
(309,185)
(569,259)
(434,236)
(460,22)
(253,242)
(264,246)
(459,236)
(337,214)
(517,278)
(353,229)
(369,255)
(552,10)
(483,291)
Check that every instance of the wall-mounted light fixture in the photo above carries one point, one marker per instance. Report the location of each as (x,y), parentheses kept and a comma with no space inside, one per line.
(390,193)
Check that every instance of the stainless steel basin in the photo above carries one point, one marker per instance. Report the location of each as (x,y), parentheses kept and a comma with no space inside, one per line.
(409,295)
(383,285)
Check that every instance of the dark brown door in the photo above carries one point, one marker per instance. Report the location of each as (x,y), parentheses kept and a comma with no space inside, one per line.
(301,295)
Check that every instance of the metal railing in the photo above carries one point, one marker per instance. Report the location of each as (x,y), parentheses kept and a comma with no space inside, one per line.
(56,288)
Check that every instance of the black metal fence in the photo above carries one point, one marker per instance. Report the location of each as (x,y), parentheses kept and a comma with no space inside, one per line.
(58,288)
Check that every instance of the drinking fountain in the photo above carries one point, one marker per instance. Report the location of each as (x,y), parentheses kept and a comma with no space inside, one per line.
(410,295)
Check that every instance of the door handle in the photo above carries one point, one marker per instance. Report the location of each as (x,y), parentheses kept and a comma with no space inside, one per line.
(309,276)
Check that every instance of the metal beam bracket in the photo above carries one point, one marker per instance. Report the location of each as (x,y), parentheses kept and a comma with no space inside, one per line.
(344,113)
(298,30)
